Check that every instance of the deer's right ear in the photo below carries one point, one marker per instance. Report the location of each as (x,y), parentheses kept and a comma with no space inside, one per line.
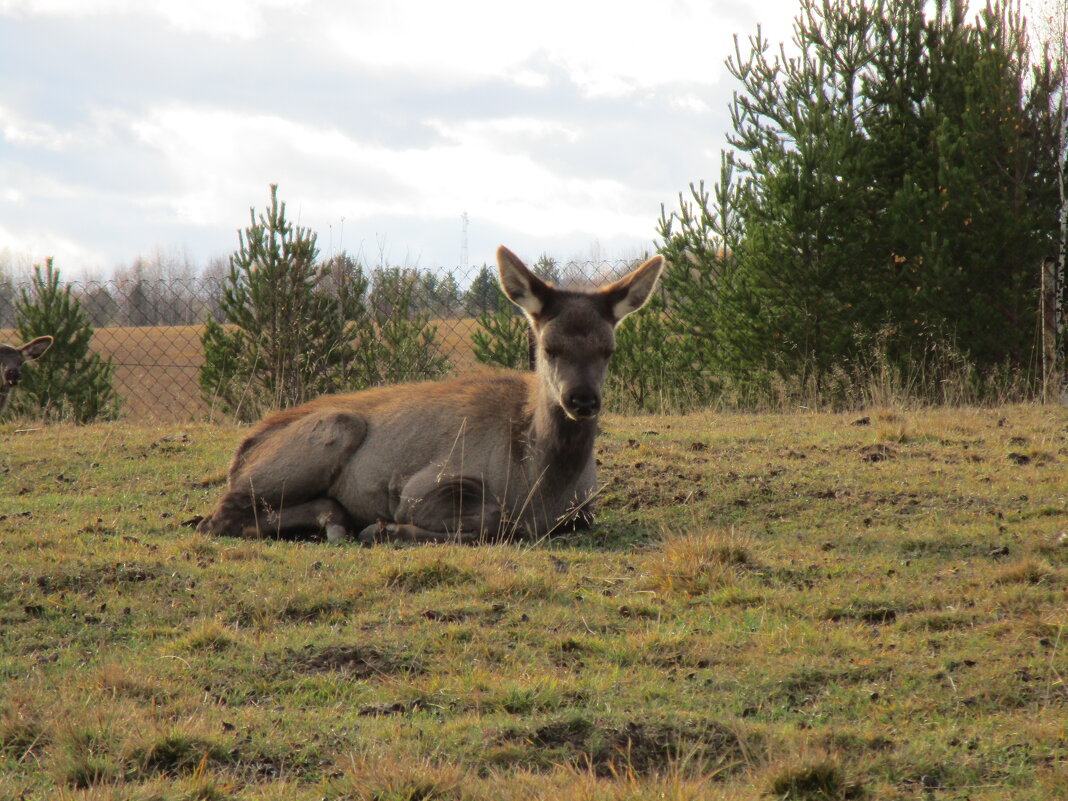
(36,348)
(522,287)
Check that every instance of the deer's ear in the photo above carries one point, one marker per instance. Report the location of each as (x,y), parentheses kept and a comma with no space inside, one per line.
(630,292)
(36,348)
(522,287)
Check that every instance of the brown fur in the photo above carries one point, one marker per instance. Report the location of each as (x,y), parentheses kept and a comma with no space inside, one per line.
(487,455)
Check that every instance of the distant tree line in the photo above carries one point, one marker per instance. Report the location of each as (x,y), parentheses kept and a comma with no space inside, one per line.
(149,294)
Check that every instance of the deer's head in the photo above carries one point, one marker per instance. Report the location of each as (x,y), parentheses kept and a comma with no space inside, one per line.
(13,358)
(574,332)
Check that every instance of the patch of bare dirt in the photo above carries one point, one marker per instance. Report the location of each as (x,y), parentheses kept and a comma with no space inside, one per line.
(636,747)
(877,453)
(357,661)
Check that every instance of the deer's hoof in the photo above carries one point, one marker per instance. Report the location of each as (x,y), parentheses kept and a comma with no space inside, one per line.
(336,533)
(374,533)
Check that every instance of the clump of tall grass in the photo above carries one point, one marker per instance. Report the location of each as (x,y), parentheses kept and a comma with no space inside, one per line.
(378,775)
(938,373)
(1026,571)
(821,779)
(935,373)
(695,563)
(22,730)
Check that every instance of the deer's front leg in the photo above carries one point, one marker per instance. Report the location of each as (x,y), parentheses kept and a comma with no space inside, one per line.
(407,532)
(436,508)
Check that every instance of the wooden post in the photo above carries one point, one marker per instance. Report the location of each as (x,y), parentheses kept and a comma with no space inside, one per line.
(1060,313)
(1048,320)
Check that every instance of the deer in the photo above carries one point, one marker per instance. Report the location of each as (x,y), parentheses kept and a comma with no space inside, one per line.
(11,361)
(487,456)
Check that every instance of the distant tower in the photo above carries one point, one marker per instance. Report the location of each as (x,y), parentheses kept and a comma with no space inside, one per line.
(463,242)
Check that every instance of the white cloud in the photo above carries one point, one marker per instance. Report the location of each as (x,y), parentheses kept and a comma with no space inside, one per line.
(497,131)
(219,157)
(225,19)
(607,47)
(531,79)
(16,130)
(20,250)
(691,103)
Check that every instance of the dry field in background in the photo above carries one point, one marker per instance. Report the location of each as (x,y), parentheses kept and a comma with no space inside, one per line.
(157,367)
(799,606)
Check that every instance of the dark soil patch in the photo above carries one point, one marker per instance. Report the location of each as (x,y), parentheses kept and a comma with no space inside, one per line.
(447,615)
(635,747)
(176,754)
(872,613)
(489,615)
(309,610)
(357,661)
(949,546)
(427,577)
(92,579)
(877,453)
(821,781)
(796,577)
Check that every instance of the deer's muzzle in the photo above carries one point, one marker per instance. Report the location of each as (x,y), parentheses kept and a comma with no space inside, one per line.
(582,405)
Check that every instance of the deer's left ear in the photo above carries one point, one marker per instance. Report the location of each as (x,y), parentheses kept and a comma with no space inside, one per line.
(630,292)
(36,348)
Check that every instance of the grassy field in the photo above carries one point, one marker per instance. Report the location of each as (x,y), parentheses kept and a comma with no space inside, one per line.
(795,606)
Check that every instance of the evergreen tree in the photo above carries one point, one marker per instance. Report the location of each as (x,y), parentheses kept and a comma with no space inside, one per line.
(966,175)
(699,241)
(502,338)
(7,300)
(547,269)
(396,340)
(100,305)
(289,338)
(653,368)
(895,180)
(484,295)
(437,293)
(71,383)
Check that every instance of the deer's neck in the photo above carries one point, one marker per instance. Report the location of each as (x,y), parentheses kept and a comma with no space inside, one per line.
(559,446)
(5,395)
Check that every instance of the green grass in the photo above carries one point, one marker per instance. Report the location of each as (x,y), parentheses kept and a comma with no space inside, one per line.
(795,606)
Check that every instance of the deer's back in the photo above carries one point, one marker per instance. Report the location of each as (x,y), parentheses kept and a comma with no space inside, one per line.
(408,425)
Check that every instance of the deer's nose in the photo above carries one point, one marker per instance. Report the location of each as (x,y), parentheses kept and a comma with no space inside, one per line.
(12,375)
(584,404)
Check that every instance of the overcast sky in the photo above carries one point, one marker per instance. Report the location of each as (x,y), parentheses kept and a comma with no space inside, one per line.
(131,127)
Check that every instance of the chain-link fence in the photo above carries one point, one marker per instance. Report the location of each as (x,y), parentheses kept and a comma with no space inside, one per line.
(152,329)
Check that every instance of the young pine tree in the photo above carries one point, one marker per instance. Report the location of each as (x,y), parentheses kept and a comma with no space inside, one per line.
(396,339)
(70,383)
(502,337)
(289,336)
